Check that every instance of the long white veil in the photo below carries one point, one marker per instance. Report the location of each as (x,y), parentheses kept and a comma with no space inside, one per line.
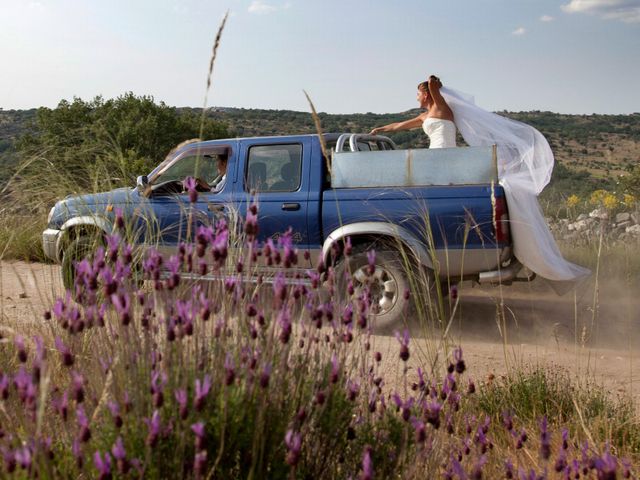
(525,163)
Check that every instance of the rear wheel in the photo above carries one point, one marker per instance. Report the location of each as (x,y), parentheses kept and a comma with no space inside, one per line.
(388,285)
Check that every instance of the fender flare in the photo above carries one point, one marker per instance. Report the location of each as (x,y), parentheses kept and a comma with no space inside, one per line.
(99,223)
(382,229)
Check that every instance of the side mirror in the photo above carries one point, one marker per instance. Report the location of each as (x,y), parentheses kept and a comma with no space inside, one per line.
(142,181)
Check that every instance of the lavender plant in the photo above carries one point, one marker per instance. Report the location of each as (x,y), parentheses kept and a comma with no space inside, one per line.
(173,378)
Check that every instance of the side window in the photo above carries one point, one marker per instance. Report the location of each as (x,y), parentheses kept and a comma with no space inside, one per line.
(274,168)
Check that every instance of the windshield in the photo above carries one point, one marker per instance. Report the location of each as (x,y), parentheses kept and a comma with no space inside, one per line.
(194,162)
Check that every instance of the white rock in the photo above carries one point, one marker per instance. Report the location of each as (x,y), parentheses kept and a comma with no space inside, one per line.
(622,217)
(634,229)
(579,226)
(582,216)
(600,213)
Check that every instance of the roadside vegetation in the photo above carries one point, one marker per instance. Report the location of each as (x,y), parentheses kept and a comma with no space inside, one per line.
(227,379)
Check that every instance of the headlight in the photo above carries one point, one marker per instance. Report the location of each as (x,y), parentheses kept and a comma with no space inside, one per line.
(50,214)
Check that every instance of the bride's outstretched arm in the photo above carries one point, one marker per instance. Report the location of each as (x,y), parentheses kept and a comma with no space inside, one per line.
(396,127)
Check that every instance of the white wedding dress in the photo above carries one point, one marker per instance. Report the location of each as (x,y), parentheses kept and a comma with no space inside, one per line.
(525,163)
(441,133)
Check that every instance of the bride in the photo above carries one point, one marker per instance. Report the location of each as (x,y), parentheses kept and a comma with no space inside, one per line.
(437,122)
(525,163)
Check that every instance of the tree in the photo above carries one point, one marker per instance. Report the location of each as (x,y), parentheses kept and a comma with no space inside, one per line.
(118,138)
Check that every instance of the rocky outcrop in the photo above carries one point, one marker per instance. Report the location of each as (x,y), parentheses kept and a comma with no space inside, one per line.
(585,228)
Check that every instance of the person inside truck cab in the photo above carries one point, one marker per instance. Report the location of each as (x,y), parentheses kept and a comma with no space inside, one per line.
(437,122)
(221,179)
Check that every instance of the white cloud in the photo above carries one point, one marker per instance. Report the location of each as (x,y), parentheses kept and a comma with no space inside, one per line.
(519,31)
(37,6)
(627,11)
(546,18)
(259,7)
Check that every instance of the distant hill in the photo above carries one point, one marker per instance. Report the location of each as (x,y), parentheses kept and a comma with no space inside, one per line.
(596,148)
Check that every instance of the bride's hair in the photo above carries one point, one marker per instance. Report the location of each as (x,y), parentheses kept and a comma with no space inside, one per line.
(425,85)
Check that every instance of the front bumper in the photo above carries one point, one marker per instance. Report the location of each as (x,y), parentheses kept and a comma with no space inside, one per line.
(50,243)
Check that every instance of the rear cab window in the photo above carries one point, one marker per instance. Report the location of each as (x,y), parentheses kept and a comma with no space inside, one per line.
(274,168)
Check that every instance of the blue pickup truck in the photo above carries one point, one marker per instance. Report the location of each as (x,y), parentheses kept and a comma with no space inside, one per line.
(444,207)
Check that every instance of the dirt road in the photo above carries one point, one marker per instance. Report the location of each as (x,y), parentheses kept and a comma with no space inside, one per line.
(588,335)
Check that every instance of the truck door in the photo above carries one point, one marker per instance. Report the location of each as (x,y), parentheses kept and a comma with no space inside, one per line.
(275,173)
(172,218)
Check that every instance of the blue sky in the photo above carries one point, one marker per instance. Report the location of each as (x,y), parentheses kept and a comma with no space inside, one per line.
(568,56)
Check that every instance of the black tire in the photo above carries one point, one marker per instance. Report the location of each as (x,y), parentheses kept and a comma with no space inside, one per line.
(78,248)
(388,283)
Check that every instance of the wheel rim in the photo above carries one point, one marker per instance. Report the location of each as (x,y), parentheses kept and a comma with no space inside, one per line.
(383,287)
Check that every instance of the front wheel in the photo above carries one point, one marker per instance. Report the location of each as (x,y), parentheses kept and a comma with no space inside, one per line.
(388,285)
(78,249)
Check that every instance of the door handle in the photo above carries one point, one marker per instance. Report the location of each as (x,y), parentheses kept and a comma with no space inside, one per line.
(291,206)
(215,207)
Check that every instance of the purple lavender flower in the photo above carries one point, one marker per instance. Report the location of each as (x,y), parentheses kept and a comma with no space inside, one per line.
(78,386)
(432,413)
(190,184)
(24,457)
(265,376)
(153,425)
(67,356)
(404,345)
(173,266)
(204,236)
(335,369)
(200,463)
(459,365)
(119,218)
(229,369)
(4,386)
(113,244)
(522,438)
(76,450)
(181,398)
(606,465)
(158,381)
(545,443)
(84,435)
(508,469)
(114,408)
(371,259)
(367,465)
(420,430)
(405,406)
(127,254)
(476,470)
(198,430)
(202,390)
(251,223)
(103,465)
(565,439)
(561,462)
(122,304)
(120,455)
(293,442)
(284,321)
(22,351)
(353,390)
